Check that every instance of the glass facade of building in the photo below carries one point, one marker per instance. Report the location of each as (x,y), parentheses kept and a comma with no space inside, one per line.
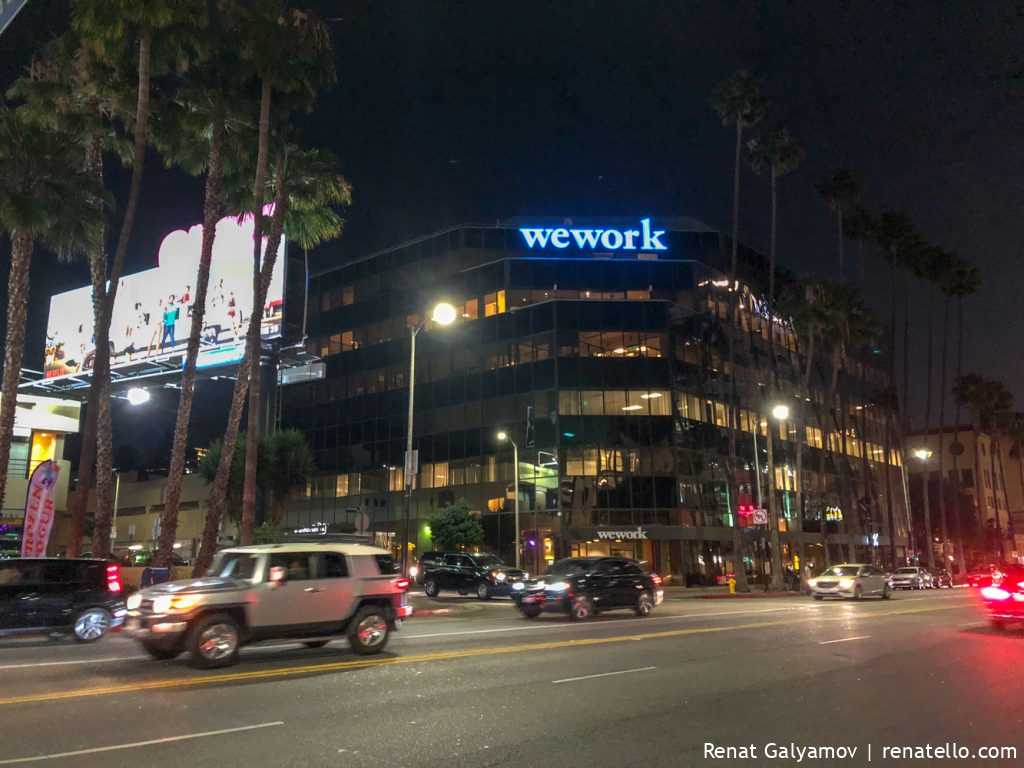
(610,371)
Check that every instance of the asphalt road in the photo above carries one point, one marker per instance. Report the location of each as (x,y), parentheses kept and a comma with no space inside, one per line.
(483,687)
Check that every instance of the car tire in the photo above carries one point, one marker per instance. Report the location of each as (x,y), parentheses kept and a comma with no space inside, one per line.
(431,587)
(531,613)
(644,604)
(315,643)
(213,641)
(581,609)
(886,594)
(818,597)
(483,590)
(368,631)
(160,651)
(858,593)
(91,624)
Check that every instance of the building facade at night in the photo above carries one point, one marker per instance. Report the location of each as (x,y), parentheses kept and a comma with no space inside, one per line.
(601,348)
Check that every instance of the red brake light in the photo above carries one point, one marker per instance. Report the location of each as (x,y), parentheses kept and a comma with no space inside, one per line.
(656,579)
(401,583)
(995,593)
(114,578)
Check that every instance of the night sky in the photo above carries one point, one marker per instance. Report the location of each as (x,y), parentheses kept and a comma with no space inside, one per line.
(449,112)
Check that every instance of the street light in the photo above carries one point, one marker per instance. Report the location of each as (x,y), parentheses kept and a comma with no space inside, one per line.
(137,396)
(503,437)
(922,453)
(443,314)
(780,411)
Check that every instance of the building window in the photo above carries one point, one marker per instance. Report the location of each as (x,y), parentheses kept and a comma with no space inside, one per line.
(494,303)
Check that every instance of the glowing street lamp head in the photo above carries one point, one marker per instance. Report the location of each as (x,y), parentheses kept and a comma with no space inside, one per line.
(502,436)
(781,412)
(922,453)
(137,396)
(444,314)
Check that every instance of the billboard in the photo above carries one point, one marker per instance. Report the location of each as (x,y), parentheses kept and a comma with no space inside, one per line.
(153,311)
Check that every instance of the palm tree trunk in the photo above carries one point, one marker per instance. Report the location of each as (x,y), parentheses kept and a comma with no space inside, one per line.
(943,525)
(218,492)
(252,435)
(993,446)
(927,423)
(101,369)
(957,510)
(801,415)
(211,214)
(1007,540)
(887,439)
(14,344)
(842,245)
(773,510)
(737,541)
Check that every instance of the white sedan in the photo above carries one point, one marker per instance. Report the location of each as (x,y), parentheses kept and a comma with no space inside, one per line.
(850,580)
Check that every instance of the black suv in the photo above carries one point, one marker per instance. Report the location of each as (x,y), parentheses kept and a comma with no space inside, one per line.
(482,574)
(79,597)
(583,586)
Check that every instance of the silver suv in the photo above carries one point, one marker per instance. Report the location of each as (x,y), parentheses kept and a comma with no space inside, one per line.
(308,592)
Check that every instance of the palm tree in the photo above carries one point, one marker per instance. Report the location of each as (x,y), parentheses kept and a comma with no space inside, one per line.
(860,226)
(291,466)
(45,196)
(740,102)
(775,153)
(308,191)
(267,27)
(111,30)
(840,190)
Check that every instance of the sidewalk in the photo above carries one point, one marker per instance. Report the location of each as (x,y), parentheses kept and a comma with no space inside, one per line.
(721,593)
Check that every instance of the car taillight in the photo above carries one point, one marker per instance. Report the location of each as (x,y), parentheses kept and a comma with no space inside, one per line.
(995,593)
(114,578)
(656,579)
(401,583)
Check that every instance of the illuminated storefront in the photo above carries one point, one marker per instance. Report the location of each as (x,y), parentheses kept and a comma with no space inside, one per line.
(602,356)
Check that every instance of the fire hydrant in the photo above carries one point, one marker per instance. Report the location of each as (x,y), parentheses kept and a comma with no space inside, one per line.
(732,586)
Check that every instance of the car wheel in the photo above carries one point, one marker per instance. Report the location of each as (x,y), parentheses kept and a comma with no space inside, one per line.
(368,632)
(213,641)
(886,594)
(431,588)
(91,624)
(581,609)
(531,613)
(644,604)
(483,590)
(315,643)
(818,597)
(160,651)
(858,593)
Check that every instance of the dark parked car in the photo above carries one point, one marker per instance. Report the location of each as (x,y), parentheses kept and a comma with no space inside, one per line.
(583,586)
(482,574)
(1004,596)
(942,579)
(79,597)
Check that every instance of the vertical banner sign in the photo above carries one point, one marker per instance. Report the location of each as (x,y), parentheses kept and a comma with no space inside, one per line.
(8,10)
(39,510)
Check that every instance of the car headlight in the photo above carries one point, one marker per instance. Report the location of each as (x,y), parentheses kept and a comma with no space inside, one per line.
(558,586)
(413,571)
(813,582)
(133,602)
(526,575)
(500,576)
(518,586)
(168,604)
(847,583)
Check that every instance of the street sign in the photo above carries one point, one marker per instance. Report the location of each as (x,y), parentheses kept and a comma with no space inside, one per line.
(362,523)
(760,516)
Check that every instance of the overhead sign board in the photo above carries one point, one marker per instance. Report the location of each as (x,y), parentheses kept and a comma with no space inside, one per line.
(153,313)
(595,239)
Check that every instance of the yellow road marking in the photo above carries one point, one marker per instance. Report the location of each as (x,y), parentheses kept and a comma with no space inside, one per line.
(377,661)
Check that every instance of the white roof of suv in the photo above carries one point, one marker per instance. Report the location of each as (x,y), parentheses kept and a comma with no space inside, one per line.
(327,546)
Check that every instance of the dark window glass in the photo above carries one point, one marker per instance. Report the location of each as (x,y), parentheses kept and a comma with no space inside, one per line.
(387,565)
(333,566)
(632,569)
(296,564)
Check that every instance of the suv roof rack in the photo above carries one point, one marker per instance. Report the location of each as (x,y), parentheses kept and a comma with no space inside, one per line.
(326,538)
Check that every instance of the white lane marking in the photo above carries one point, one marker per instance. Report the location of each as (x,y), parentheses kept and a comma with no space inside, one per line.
(134,744)
(844,639)
(602,674)
(34,664)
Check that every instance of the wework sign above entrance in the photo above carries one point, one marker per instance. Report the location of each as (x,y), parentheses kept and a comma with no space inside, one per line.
(594,239)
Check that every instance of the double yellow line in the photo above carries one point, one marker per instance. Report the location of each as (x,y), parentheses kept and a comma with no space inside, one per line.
(378,661)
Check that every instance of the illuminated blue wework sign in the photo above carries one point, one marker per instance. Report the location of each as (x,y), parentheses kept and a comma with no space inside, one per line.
(8,10)
(643,239)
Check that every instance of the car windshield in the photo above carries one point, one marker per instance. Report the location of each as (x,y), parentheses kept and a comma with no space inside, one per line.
(842,570)
(489,561)
(233,565)
(906,570)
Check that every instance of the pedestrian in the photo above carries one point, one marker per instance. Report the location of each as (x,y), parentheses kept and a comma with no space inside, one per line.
(792,582)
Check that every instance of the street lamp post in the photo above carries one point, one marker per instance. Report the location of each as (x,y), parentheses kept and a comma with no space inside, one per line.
(923,454)
(779,412)
(443,314)
(503,436)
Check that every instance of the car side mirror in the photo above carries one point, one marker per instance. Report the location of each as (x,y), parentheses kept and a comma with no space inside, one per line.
(277,576)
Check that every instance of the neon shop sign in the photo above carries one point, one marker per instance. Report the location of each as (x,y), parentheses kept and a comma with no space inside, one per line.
(643,239)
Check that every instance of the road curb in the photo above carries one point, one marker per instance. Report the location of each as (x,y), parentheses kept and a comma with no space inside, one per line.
(746,596)
(446,610)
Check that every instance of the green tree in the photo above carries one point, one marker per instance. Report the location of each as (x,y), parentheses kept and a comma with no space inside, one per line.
(840,190)
(46,198)
(455,527)
(740,102)
(290,466)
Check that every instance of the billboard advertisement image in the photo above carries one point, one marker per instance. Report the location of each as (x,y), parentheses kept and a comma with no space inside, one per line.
(153,311)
